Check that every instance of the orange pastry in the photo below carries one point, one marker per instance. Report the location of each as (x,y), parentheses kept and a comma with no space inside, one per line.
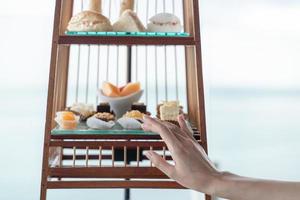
(130,88)
(110,90)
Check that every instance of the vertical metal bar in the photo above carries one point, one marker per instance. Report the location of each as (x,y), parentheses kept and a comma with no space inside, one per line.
(175,56)
(108,47)
(100,156)
(136,49)
(87,156)
(78,64)
(156,64)
(164,153)
(98,70)
(129,64)
(138,156)
(87,75)
(165,53)
(77,75)
(125,156)
(146,59)
(74,156)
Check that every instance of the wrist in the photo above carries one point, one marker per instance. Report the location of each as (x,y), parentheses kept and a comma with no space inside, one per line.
(223,184)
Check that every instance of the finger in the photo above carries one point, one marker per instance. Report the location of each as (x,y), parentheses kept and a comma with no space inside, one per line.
(157,126)
(161,164)
(185,126)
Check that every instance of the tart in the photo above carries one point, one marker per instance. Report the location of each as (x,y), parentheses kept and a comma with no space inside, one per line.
(101,121)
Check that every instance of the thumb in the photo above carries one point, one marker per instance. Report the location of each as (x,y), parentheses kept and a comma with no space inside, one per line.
(161,164)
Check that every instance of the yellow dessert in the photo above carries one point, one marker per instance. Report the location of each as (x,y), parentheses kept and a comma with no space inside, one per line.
(135,114)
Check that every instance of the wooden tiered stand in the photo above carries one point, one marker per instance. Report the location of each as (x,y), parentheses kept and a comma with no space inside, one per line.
(128,148)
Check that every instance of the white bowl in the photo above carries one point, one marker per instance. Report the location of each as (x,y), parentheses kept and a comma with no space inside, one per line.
(120,105)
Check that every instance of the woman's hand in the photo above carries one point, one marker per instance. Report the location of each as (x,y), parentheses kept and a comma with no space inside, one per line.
(192,167)
(194,170)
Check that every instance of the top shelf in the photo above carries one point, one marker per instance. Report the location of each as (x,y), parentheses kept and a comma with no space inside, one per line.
(122,38)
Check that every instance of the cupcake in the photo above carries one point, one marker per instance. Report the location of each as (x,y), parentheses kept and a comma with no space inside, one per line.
(100,121)
(67,120)
(131,120)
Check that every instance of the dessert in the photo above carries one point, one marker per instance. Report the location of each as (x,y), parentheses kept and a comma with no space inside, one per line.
(110,90)
(131,120)
(82,109)
(125,5)
(128,22)
(164,22)
(103,107)
(135,114)
(67,120)
(104,116)
(169,111)
(130,88)
(101,121)
(89,21)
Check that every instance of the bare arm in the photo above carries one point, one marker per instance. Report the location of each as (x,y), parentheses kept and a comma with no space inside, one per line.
(194,170)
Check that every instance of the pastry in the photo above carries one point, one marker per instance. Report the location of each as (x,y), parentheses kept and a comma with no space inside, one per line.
(101,121)
(67,120)
(82,109)
(103,107)
(169,111)
(125,5)
(105,116)
(135,114)
(128,22)
(131,120)
(89,21)
(164,22)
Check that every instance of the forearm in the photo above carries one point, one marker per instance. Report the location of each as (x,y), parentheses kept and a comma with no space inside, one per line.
(235,187)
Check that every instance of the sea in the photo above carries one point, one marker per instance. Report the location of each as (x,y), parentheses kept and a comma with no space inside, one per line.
(251,132)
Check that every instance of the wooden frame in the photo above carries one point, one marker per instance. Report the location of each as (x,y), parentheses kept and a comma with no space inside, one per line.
(57,90)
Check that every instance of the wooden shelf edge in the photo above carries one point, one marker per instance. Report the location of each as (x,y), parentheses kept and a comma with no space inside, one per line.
(125,40)
(107,172)
(113,184)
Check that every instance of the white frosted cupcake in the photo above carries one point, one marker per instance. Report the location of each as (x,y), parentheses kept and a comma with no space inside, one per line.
(164,22)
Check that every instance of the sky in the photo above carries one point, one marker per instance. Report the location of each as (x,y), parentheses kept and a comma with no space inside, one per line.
(245,43)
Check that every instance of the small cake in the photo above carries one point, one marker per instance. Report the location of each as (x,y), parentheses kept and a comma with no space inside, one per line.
(84,110)
(89,21)
(103,107)
(67,120)
(169,111)
(131,120)
(164,22)
(105,116)
(128,22)
(101,121)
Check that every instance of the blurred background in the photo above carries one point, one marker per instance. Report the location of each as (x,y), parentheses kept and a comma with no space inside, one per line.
(252,84)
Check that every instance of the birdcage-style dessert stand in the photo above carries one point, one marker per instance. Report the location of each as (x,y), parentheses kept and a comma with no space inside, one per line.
(90,159)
